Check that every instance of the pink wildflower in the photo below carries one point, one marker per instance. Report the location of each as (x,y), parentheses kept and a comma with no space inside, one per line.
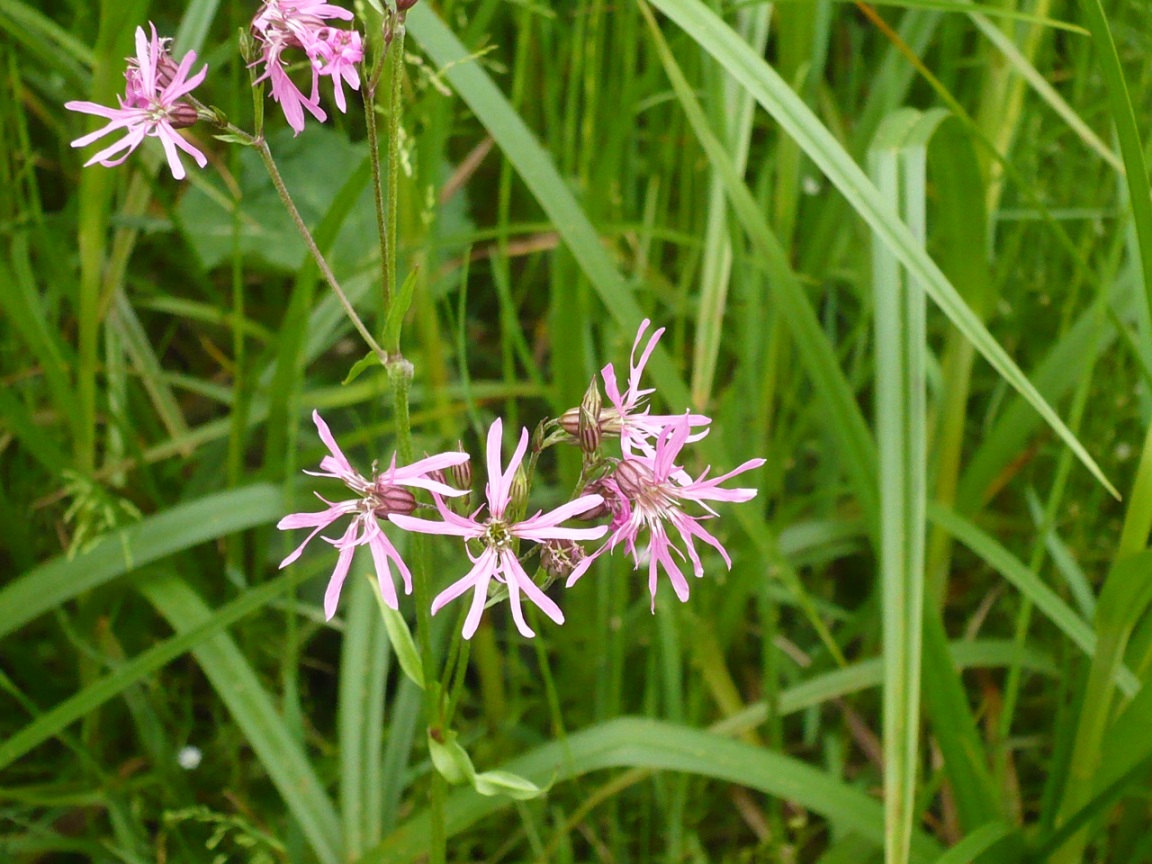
(150,107)
(284,24)
(375,499)
(648,493)
(337,53)
(628,417)
(499,558)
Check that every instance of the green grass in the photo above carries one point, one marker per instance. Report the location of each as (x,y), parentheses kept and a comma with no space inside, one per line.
(902,251)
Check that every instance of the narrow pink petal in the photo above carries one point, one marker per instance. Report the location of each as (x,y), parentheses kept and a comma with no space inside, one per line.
(692,528)
(145,56)
(468,529)
(486,561)
(320,518)
(658,548)
(173,157)
(708,490)
(96,108)
(339,574)
(513,466)
(612,389)
(555,533)
(181,83)
(531,589)
(581,568)
(496,504)
(128,143)
(638,368)
(668,448)
(180,141)
(330,442)
(85,140)
(514,601)
(381,551)
(564,511)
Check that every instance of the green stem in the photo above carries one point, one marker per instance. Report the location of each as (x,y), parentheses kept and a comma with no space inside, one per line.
(400,378)
(396,56)
(377,176)
(321,262)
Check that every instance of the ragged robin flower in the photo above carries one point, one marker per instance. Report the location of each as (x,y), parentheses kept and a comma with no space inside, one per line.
(498,536)
(650,494)
(376,499)
(151,106)
(281,25)
(627,415)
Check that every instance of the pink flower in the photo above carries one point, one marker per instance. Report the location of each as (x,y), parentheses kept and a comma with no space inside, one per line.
(647,493)
(628,417)
(375,499)
(499,560)
(337,53)
(284,24)
(150,107)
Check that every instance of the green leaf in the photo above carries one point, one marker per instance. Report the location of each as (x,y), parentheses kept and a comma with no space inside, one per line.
(976,844)
(1125,598)
(399,308)
(366,362)
(493,783)
(1014,570)
(315,168)
(450,759)
(631,742)
(79,704)
(174,530)
(401,638)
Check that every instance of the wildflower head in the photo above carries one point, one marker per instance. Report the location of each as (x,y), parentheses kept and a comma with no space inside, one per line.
(151,107)
(651,496)
(283,25)
(500,538)
(379,498)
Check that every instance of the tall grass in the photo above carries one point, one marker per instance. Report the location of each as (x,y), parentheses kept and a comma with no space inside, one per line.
(896,252)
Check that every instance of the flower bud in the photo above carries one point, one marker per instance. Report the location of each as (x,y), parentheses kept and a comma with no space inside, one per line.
(570,421)
(592,400)
(405,5)
(604,508)
(518,495)
(166,67)
(461,475)
(182,115)
(588,431)
(392,499)
(561,557)
(634,478)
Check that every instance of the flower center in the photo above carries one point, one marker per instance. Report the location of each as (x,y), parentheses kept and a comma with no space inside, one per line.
(639,486)
(497,535)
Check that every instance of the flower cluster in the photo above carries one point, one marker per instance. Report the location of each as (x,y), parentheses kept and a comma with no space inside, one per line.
(158,94)
(283,25)
(643,491)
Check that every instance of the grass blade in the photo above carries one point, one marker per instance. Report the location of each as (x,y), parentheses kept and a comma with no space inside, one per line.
(176,529)
(797,119)
(55,720)
(631,742)
(254,712)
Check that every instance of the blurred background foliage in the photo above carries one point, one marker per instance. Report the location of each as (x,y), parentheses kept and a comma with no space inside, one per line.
(162,346)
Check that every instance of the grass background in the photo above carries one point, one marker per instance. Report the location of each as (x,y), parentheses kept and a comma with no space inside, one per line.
(570,168)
